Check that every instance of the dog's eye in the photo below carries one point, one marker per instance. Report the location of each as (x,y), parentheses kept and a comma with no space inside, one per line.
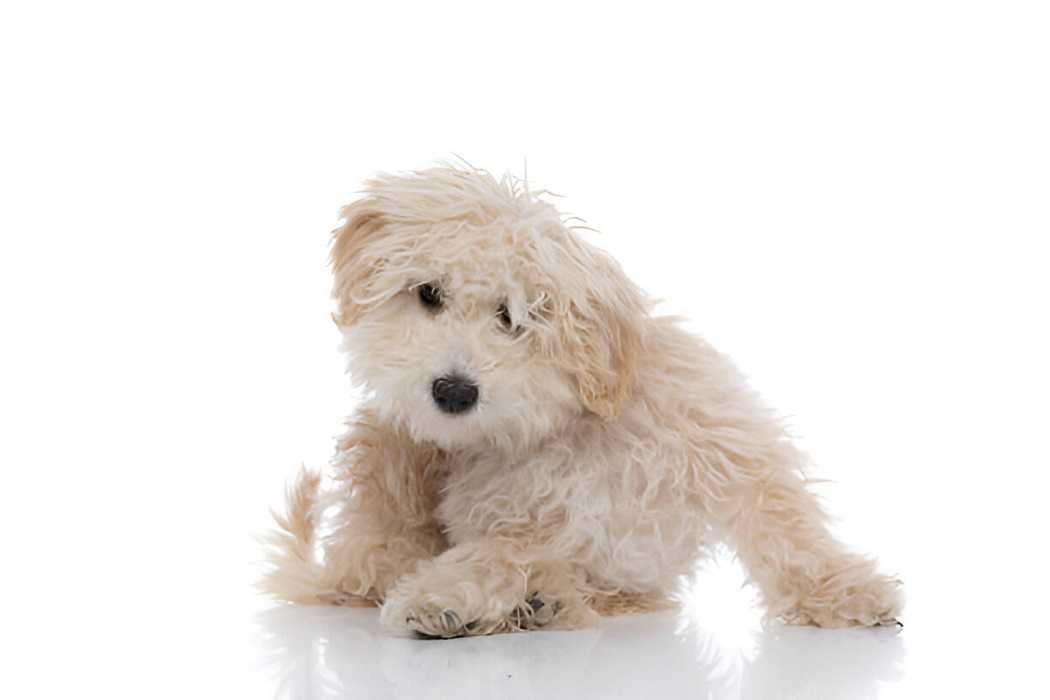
(430,296)
(505,319)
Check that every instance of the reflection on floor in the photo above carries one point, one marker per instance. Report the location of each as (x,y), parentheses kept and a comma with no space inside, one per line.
(319,652)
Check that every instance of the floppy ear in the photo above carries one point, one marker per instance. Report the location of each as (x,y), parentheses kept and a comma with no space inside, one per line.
(362,224)
(601,337)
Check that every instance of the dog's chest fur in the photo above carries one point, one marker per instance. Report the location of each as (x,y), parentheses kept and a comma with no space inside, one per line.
(584,498)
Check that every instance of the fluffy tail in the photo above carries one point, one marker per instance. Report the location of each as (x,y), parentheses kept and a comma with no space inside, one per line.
(293,572)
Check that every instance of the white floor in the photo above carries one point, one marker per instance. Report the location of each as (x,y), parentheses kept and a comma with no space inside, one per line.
(203,633)
(323,653)
(237,645)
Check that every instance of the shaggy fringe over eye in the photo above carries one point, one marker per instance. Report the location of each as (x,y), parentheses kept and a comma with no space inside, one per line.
(598,327)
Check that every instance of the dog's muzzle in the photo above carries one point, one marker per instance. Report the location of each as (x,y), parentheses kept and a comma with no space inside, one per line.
(454,393)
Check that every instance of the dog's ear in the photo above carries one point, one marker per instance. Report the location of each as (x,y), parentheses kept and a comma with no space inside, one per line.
(601,333)
(362,224)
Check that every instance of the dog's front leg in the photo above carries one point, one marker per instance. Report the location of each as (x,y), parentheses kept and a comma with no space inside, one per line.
(781,535)
(485,587)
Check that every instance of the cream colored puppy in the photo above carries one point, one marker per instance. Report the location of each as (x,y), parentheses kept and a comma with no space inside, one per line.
(536,448)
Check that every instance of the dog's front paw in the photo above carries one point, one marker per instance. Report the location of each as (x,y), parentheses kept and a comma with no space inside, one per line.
(484,588)
(437,624)
(450,613)
(841,602)
(458,614)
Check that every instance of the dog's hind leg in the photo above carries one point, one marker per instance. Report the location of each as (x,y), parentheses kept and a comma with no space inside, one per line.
(781,535)
(371,528)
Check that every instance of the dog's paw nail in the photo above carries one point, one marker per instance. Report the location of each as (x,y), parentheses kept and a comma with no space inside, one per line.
(893,623)
(451,620)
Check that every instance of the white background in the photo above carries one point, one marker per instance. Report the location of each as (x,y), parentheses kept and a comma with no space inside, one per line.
(850,199)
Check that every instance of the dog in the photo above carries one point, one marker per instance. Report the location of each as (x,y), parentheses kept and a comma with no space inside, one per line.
(535,447)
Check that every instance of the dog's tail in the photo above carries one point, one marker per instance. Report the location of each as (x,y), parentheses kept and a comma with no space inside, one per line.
(293,572)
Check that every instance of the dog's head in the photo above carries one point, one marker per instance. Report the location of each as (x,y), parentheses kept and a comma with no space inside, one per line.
(473,315)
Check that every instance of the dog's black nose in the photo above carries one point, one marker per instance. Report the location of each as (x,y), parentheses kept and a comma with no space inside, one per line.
(454,394)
